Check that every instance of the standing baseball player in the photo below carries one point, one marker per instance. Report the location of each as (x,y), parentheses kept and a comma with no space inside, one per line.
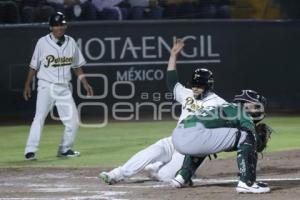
(54,56)
(223,128)
(161,159)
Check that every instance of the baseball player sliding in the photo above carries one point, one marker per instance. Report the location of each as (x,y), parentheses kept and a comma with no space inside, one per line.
(54,56)
(161,159)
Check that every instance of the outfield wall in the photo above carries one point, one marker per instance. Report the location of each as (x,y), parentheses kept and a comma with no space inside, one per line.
(128,61)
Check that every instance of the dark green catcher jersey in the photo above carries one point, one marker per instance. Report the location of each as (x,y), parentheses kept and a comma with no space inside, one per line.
(226,115)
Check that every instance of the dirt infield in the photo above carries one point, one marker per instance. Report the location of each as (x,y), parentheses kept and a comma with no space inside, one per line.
(216,180)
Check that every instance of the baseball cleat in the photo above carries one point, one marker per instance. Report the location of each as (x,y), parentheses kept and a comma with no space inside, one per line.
(69,154)
(179,182)
(259,187)
(105,177)
(30,156)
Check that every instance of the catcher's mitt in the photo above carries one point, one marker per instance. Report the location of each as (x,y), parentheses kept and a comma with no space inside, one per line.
(263,135)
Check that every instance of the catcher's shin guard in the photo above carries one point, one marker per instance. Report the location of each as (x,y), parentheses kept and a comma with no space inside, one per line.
(247,160)
(189,166)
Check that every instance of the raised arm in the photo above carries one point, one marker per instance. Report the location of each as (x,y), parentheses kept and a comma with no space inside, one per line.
(177,47)
(171,70)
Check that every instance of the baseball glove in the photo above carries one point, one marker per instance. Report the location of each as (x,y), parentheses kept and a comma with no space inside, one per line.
(263,135)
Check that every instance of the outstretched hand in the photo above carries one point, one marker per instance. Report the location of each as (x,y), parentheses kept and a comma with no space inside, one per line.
(179,44)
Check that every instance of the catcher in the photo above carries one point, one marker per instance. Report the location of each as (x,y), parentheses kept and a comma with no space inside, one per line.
(228,127)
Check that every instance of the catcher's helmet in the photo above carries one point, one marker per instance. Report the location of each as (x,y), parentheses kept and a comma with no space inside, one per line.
(252,96)
(203,77)
(57,19)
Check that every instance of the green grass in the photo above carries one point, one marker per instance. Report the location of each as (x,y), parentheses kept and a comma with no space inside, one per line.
(286,134)
(114,144)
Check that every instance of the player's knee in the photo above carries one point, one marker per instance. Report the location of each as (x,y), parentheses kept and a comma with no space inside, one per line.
(40,118)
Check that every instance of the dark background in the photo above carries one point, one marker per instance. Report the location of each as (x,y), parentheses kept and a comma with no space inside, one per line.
(259,55)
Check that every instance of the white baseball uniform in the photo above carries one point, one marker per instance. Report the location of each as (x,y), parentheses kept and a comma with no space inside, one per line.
(161,155)
(54,63)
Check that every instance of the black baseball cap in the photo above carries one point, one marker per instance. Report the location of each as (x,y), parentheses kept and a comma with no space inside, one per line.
(57,19)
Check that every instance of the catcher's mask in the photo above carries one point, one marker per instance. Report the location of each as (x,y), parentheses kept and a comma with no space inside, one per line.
(250,96)
(202,78)
(57,19)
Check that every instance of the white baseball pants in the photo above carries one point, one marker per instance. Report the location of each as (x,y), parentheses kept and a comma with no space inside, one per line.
(48,95)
